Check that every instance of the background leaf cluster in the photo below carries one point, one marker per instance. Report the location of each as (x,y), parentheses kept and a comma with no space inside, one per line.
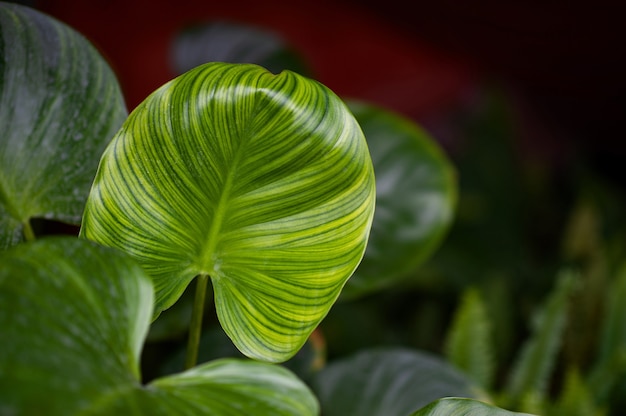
(495,279)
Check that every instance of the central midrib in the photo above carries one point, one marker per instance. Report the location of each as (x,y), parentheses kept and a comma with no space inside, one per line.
(207,265)
(207,255)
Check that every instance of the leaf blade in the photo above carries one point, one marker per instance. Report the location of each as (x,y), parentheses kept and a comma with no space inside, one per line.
(416,198)
(59,105)
(387,382)
(536,360)
(468,343)
(454,406)
(66,343)
(261,181)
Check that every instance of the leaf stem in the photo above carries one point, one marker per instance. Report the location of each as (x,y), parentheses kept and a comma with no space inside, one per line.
(195,327)
(29,234)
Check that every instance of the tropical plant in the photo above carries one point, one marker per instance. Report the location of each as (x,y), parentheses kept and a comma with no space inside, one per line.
(263,185)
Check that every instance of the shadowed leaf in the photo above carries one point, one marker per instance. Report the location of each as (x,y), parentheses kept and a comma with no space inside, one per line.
(60,104)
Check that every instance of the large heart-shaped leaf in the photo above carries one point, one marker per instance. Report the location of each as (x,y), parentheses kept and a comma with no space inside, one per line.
(416,193)
(263,182)
(73,317)
(60,104)
(388,382)
(456,406)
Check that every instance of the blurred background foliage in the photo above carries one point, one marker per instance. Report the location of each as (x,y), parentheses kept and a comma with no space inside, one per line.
(527,101)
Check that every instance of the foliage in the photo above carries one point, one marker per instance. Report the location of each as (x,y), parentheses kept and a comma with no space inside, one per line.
(263,184)
(45,65)
(93,319)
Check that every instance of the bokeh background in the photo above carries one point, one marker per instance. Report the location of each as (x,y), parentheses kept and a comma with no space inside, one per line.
(527,98)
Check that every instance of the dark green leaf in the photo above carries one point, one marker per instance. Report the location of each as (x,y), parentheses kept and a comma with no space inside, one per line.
(454,406)
(416,193)
(73,318)
(387,382)
(60,104)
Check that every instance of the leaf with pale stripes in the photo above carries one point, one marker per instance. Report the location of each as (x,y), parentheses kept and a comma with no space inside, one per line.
(60,104)
(263,182)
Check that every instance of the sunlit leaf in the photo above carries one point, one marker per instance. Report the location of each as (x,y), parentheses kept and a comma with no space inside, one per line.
(60,104)
(454,406)
(387,382)
(73,318)
(223,387)
(263,182)
(416,193)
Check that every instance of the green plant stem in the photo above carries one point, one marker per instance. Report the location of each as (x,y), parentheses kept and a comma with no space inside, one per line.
(195,327)
(29,234)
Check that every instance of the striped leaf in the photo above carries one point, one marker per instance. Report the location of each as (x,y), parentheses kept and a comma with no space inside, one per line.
(73,318)
(263,182)
(60,104)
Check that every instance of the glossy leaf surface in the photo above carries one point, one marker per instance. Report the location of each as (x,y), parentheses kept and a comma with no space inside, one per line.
(416,192)
(387,382)
(454,406)
(73,318)
(264,182)
(223,387)
(60,104)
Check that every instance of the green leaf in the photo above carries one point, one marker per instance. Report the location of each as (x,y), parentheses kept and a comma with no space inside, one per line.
(224,387)
(469,342)
(416,192)
(610,364)
(455,406)
(264,182)
(225,41)
(60,104)
(73,318)
(576,398)
(537,358)
(387,382)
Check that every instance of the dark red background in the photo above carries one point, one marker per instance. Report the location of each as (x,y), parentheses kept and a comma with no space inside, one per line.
(565,59)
